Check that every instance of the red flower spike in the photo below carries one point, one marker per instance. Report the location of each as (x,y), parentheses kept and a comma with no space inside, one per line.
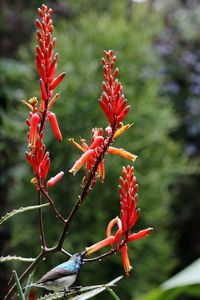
(54,125)
(112,100)
(45,63)
(128,217)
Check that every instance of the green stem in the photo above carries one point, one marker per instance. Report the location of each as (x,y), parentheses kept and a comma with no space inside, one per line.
(19,288)
(112,293)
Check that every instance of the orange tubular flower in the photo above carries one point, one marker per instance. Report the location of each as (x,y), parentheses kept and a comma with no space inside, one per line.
(55,179)
(33,134)
(102,244)
(55,126)
(125,259)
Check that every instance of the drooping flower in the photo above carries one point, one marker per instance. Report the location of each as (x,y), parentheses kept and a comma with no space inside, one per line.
(128,217)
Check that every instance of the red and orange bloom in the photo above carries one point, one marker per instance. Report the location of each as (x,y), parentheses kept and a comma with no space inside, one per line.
(46,63)
(114,105)
(92,153)
(128,217)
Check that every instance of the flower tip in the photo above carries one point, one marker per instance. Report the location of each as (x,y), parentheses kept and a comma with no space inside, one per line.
(73,171)
(134,157)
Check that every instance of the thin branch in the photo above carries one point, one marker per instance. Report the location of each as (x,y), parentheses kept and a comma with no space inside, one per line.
(42,235)
(52,205)
(44,116)
(100,257)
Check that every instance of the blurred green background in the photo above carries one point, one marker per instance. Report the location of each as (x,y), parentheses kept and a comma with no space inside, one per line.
(158,48)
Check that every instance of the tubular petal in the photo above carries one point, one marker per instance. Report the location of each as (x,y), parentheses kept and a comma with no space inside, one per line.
(125,259)
(122,152)
(122,129)
(106,242)
(81,161)
(73,142)
(55,179)
(140,234)
(54,125)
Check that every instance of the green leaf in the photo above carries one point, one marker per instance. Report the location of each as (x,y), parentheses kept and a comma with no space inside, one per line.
(27,290)
(14,257)
(20,210)
(112,293)
(84,293)
(19,288)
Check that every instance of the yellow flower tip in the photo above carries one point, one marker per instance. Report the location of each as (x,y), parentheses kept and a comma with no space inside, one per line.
(134,157)
(33,101)
(27,104)
(34,181)
(122,129)
(73,171)
(88,251)
(128,271)
(77,145)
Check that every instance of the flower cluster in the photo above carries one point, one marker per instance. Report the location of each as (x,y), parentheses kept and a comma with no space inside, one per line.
(128,217)
(46,63)
(114,106)
(92,153)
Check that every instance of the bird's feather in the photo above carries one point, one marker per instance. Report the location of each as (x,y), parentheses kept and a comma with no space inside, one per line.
(55,273)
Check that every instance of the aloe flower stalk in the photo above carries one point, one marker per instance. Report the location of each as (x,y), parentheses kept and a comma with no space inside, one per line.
(128,217)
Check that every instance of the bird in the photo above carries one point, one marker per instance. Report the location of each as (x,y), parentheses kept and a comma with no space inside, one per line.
(62,276)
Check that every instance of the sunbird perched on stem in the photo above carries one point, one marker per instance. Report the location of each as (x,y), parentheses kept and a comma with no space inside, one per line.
(62,276)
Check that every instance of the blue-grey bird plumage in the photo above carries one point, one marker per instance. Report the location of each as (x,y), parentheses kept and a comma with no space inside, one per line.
(62,276)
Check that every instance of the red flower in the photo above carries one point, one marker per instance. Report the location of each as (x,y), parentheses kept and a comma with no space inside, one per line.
(128,217)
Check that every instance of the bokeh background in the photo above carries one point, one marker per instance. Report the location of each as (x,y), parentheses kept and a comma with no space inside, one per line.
(158,48)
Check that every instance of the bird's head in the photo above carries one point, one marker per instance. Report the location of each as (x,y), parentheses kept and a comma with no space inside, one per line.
(77,259)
